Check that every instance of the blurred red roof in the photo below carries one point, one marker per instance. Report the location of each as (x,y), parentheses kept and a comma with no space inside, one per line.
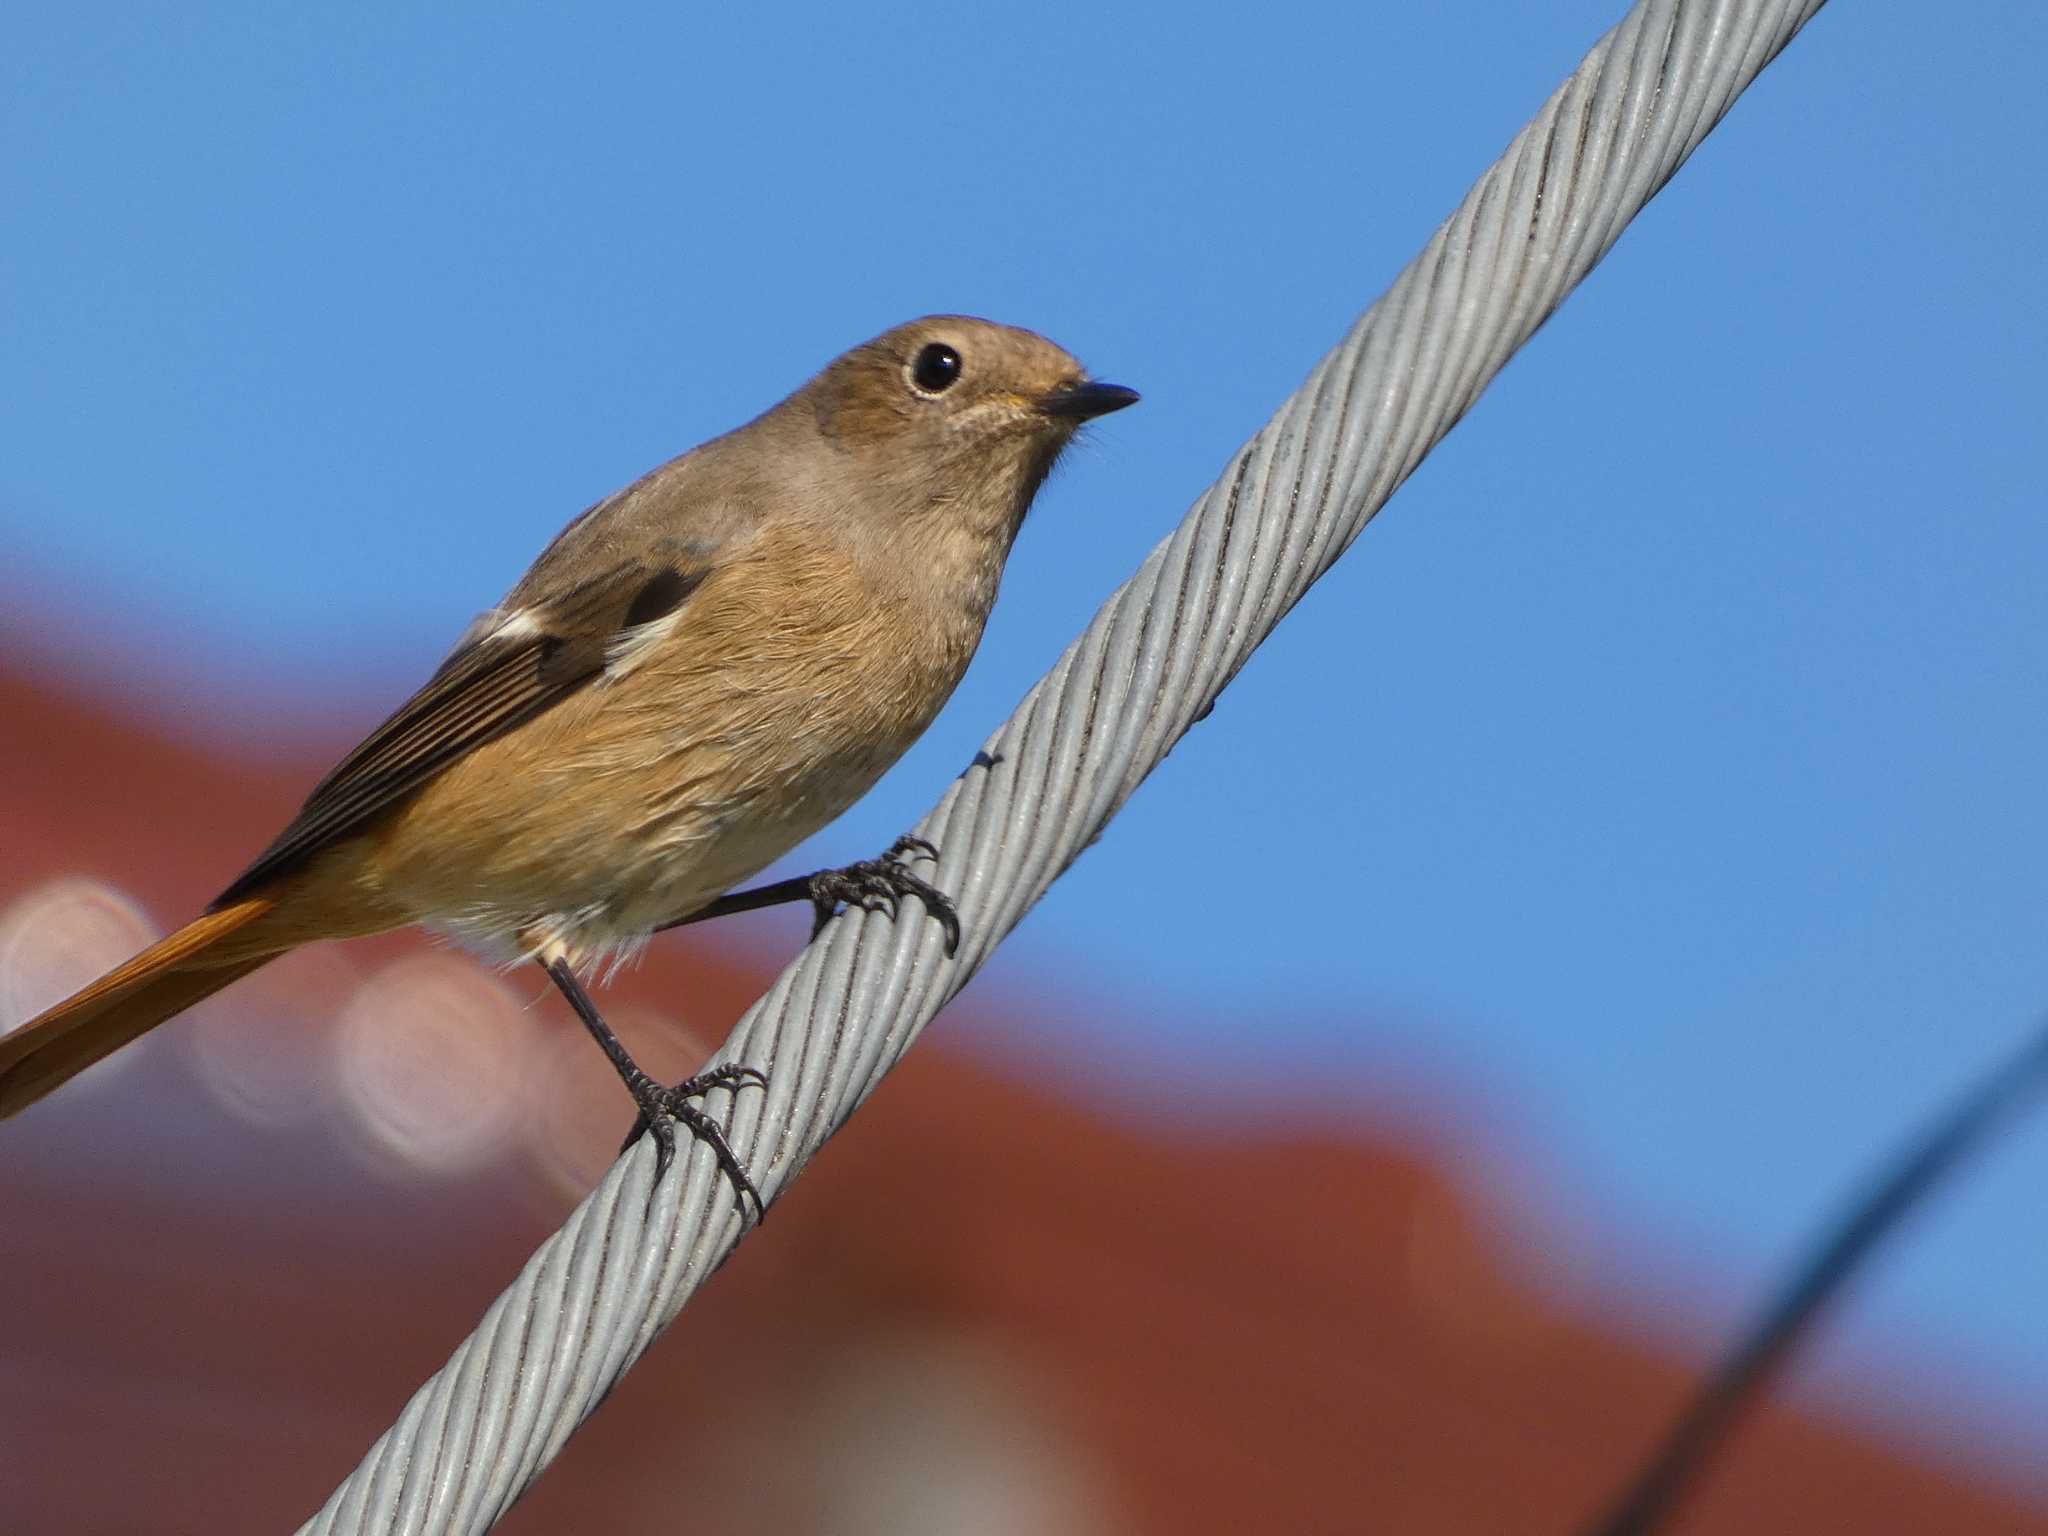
(955,1323)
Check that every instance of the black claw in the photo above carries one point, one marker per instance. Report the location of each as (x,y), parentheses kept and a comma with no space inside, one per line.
(663,1108)
(876,885)
(731,1075)
(664,1141)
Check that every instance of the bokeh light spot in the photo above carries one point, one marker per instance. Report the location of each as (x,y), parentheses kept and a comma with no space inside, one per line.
(58,937)
(432,1054)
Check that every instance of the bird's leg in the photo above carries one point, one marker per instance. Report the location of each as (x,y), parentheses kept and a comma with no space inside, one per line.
(661,1106)
(872,885)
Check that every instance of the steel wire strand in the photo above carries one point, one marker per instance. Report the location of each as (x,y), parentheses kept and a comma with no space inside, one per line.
(1152,662)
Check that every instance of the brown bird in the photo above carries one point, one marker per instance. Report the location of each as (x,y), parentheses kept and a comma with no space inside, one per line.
(698,673)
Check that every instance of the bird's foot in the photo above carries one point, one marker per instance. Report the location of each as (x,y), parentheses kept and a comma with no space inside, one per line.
(662,1108)
(876,885)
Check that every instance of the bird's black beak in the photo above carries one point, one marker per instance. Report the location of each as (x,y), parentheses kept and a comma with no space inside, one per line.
(1085,402)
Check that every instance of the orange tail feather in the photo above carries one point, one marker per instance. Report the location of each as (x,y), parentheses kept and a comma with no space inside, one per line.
(129,1001)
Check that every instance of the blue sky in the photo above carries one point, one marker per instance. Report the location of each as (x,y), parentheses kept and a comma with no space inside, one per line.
(1656,787)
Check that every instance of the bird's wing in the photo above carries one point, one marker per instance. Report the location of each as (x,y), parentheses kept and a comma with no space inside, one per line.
(500,676)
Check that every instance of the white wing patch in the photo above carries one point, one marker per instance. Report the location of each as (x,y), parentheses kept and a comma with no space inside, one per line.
(515,625)
(632,646)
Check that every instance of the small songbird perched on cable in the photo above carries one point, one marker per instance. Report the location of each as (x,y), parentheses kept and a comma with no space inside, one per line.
(698,673)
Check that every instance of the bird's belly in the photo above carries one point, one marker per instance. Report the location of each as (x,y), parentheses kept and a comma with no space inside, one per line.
(564,844)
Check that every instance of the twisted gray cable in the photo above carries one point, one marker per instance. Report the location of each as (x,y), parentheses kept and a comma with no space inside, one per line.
(596,1294)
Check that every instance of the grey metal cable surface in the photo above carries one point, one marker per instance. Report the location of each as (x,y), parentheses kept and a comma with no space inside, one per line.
(595,1295)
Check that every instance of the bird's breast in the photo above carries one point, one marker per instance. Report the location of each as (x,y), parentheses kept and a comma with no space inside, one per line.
(788,686)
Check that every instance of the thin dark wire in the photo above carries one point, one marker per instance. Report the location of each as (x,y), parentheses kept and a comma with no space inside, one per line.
(1674,1471)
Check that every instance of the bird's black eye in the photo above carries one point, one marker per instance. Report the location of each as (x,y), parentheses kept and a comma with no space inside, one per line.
(936,368)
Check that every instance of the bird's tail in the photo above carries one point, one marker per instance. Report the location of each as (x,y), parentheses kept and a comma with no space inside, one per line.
(129,1001)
